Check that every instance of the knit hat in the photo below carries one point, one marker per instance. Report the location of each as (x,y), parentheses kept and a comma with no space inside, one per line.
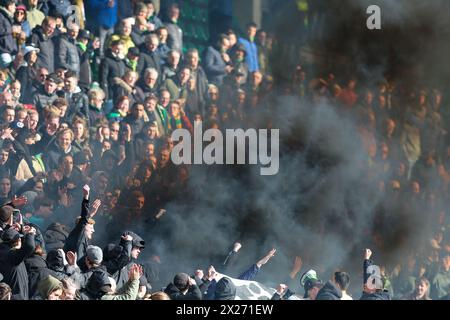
(181,281)
(10,235)
(225,290)
(48,285)
(94,254)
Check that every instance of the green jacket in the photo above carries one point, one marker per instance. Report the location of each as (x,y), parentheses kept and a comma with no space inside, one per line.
(128,292)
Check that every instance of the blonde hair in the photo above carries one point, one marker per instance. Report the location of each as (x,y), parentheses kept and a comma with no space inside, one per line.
(159,295)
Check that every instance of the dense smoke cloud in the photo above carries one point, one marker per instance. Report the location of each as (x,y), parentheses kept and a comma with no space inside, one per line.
(320,205)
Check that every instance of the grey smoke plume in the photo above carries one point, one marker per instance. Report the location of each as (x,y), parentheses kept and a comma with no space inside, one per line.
(320,205)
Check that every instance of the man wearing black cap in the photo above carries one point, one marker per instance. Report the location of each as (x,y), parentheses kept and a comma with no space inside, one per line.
(13,252)
(86,53)
(183,287)
(47,93)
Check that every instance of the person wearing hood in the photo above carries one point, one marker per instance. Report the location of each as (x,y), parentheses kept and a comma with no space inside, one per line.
(225,290)
(8,45)
(183,287)
(13,252)
(97,285)
(251,47)
(43,38)
(55,236)
(132,245)
(50,288)
(36,268)
(57,264)
(330,291)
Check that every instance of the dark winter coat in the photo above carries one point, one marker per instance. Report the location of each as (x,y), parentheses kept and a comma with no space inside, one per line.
(46,55)
(37,270)
(68,56)
(52,154)
(78,105)
(12,266)
(214,66)
(55,236)
(25,74)
(41,99)
(148,59)
(77,241)
(7,43)
(174,293)
(111,67)
(175,39)
(329,292)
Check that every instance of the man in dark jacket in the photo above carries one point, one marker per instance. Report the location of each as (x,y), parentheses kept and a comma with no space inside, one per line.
(177,85)
(112,66)
(47,93)
(79,237)
(175,40)
(59,147)
(76,98)
(122,257)
(183,287)
(199,75)
(216,61)
(8,45)
(86,53)
(12,256)
(149,56)
(68,56)
(373,285)
(43,38)
(329,291)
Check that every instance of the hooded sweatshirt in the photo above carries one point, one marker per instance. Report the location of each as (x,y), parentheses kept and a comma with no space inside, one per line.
(225,290)
(47,285)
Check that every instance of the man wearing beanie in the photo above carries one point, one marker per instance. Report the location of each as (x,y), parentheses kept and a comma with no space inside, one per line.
(183,287)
